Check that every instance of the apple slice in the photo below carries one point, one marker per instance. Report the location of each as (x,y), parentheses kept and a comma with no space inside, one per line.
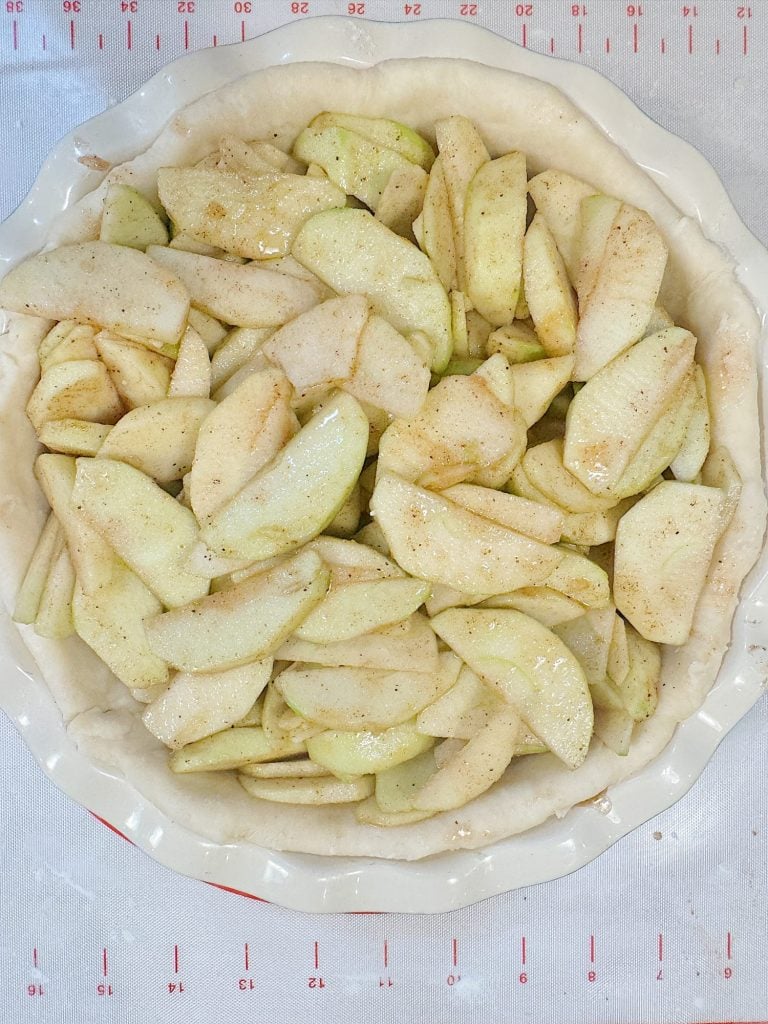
(543,465)
(320,791)
(77,389)
(687,464)
(191,377)
(195,706)
(598,212)
(548,606)
(408,645)
(396,788)
(246,622)
(229,749)
(320,346)
(73,437)
(495,213)
(110,286)
(402,199)
(302,768)
(614,729)
(719,471)
(236,349)
(531,668)
(388,373)
(517,342)
(462,711)
(384,132)
(664,545)
(253,158)
(211,330)
(47,549)
(537,383)
(139,375)
(581,579)
(359,166)
(639,688)
(558,198)
(91,555)
(358,608)
(159,439)
(435,233)
(397,278)
(589,639)
(475,768)
(548,291)
(618,652)
(611,416)
(254,217)
(617,311)
(368,812)
(435,539)
(247,295)
(346,753)
(77,342)
(462,153)
(147,528)
(54,614)
(111,621)
(239,438)
(346,521)
(358,698)
(128,218)
(295,497)
(542,522)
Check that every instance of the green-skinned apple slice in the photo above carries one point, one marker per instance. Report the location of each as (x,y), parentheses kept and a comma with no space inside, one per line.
(128,218)
(230,749)
(309,791)
(346,753)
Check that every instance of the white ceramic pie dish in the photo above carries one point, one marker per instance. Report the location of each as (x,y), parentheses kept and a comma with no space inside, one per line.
(453,879)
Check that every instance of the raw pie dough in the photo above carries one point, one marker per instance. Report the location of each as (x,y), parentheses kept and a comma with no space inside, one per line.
(512,112)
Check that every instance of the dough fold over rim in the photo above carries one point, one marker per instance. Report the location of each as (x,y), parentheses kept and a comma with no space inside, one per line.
(512,111)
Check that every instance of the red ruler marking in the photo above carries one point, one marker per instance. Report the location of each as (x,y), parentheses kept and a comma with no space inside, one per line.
(215,40)
(104,962)
(242,31)
(525,35)
(247,958)
(16,34)
(580,45)
(175,959)
(455,952)
(591,949)
(523,951)
(745,48)
(690,39)
(35,958)
(317,955)
(386,954)
(157,42)
(661,947)
(45,43)
(717,46)
(728,946)
(71,35)
(664,45)
(551,44)
(186,35)
(129,31)
(101,41)
(607,45)
(635,38)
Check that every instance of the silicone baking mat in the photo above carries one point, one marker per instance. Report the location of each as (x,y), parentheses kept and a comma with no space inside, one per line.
(667,926)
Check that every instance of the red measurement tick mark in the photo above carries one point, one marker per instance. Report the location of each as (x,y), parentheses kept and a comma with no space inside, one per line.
(717,46)
(607,45)
(45,42)
(16,35)
(525,35)
(455,952)
(591,949)
(34,958)
(728,946)
(690,39)
(551,44)
(661,947)
(523,951)
(104,963)
(635,38)
(663,45)
(386,954)
(744,46)
(242,31)
(101,41)
(157,42)
(175,959)
(129,31)
(247,958)
(72,35)
(186,35)
(215,40)
(581,38)
(317,956)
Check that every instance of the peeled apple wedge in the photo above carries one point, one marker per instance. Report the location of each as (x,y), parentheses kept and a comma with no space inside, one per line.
(356,698)
(617,311)
(158,439)
(74,342)
(548,606)
(396,788)
(231,748)
(408,645)
(611,416)
(463,710)
(47,549)
(384,132)
(639,687)
(614,729)
(128,218)
(253,158)
(208,327)
(250,216)
(76,389)
(719,471)
(517,342)
(139,375)
(110,286)
(548,291)
(598,212)
(191,376)
(435,539)
(558,198)
(299,769)
(402,199)
(111,621)
(543,465)
(243,623)
(388,373)
(664,545)
(246,295)
(542,522)
(495,211)
(537,383)
(589,639)
(581,579)
(473,769)
(358,608)
(298,494)
(359,166)
(531,668)
(147,528)
(695,447)
(321,345)
(397,278)
(238,438)
(73,437)
(309,791)
(435,228)
(235,350)
(199,705)
(346,753)
(91,554)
